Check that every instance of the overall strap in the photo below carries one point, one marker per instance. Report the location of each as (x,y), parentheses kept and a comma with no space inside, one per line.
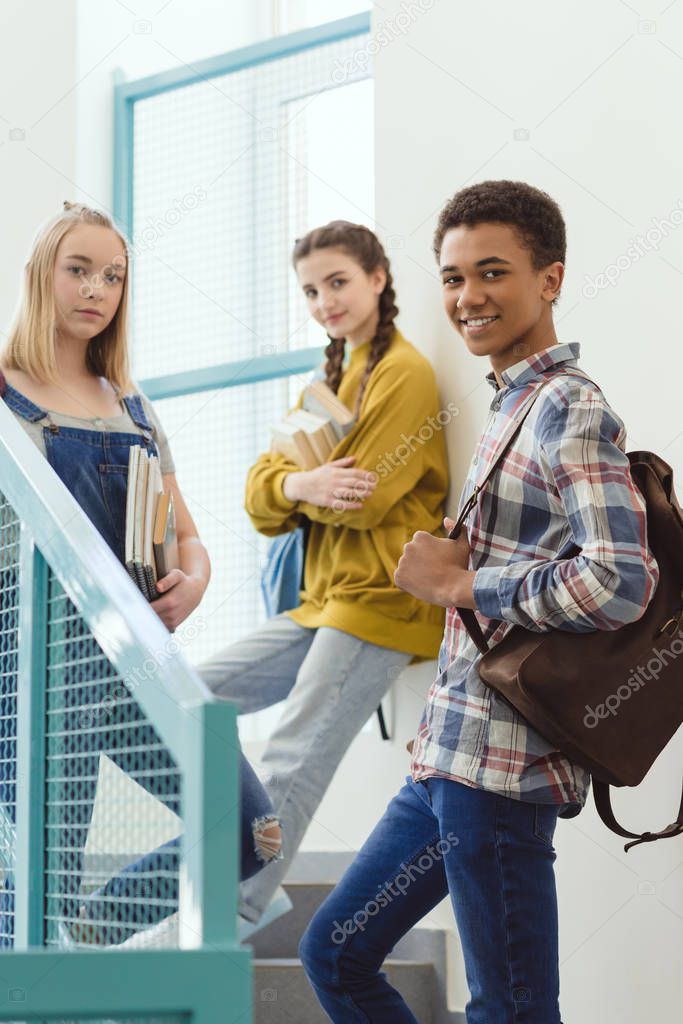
(21,405)
(136,411)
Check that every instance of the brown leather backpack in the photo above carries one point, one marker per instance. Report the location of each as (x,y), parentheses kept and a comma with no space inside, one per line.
(588,693)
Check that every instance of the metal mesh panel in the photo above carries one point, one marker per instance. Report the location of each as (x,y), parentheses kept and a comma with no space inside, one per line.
(112,796)
(9,623)
(232,425)
(227,171)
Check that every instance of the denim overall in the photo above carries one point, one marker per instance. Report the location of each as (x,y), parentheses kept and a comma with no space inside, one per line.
(94,467)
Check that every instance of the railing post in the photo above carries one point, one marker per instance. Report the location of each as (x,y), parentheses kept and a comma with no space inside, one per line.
(209,876)
(30,766)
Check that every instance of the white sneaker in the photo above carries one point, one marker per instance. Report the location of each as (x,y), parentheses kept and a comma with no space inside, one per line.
(163,935)
(65,939)
(166,934)
(280,904)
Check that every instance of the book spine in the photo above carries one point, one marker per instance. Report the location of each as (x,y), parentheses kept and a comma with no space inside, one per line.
(150,582)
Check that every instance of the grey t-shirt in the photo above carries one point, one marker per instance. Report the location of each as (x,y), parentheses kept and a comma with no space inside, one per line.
(122,424)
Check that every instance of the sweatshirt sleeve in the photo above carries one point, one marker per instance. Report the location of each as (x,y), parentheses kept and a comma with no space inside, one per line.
(394,437)
(265,504)
(612,579)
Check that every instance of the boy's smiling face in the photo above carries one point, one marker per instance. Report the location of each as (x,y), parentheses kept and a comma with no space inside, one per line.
(495,298)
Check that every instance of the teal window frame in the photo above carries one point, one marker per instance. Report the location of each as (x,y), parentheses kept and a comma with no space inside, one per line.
(126,95)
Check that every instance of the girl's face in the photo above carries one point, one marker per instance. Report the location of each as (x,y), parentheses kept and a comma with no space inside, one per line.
(90,268)
(340,295)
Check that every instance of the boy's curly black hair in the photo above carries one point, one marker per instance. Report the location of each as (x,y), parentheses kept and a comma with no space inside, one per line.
(536,217)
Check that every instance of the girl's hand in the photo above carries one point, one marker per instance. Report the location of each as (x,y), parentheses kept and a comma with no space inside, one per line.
(332,485)
(182,594)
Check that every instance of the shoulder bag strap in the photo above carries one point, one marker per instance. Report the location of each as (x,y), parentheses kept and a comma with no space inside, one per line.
(468,617)
(603,805)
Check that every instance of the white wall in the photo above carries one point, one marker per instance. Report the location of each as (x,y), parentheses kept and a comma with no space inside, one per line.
(595,89)
(37,128)
(57,63)
(154,37)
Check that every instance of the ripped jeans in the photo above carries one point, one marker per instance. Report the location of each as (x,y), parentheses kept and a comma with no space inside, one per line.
(138,883)
(91,714)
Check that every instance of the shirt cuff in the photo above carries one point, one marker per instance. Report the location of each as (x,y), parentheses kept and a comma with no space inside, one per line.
(485,592)
(283,503)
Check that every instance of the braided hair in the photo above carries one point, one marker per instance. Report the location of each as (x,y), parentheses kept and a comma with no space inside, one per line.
(363,246)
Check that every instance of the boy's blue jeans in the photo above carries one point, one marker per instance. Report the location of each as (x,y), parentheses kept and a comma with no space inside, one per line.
(494,856)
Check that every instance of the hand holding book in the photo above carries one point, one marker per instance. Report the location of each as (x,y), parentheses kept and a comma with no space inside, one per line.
(308,438)
(334,485)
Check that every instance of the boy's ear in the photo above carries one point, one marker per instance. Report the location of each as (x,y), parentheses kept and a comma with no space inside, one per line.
(553,276)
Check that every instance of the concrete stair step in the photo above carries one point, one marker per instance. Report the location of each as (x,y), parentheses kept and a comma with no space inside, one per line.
(282,994)
(417,966)
(281,938)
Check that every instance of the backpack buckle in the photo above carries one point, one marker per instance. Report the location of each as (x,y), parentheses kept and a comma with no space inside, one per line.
(670,626)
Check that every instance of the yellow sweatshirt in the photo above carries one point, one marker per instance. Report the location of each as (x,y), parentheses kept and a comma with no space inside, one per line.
(351,556)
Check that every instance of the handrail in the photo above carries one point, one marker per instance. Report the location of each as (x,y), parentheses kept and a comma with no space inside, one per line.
(198,730)
(120,618)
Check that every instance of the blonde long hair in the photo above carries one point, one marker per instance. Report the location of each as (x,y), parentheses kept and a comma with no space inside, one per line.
(31,343)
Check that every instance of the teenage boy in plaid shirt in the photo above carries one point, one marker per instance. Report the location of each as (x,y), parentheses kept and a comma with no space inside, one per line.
(477,815)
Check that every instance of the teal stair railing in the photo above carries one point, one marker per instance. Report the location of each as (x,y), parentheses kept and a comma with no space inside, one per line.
(110,746)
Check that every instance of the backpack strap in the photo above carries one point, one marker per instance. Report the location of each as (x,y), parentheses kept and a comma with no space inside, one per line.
(469,619)
(603,804)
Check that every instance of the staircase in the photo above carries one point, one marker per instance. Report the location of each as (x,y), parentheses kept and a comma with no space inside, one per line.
(282,995)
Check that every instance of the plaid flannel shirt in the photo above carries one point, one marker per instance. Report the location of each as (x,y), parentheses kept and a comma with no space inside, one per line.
(564,481)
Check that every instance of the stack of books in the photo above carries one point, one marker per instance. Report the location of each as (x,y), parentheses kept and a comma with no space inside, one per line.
(309,435)
(151,549)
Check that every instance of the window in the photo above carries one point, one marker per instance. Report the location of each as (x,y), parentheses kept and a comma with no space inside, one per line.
(290,15)
(227,167)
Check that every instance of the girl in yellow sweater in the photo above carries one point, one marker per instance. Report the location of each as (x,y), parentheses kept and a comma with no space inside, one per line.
(333,658)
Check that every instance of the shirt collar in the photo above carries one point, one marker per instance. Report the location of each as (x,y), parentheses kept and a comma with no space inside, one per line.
(526,369)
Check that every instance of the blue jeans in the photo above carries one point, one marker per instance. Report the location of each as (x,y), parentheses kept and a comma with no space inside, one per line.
(494,856)
(330,682)
(139,884)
